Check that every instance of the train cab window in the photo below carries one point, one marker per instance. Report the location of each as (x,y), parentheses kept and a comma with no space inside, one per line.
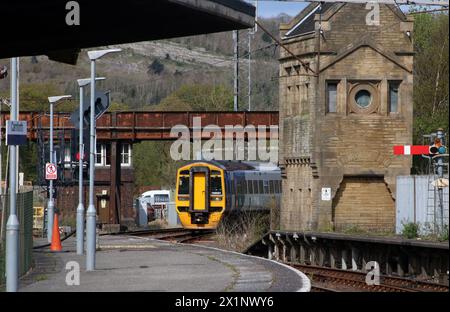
(216,185)
(183,186)
(271,187)
(250,186)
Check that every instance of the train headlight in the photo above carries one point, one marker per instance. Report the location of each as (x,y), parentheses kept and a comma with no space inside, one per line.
(216,198)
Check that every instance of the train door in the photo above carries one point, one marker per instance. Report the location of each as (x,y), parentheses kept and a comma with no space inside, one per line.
(199,190)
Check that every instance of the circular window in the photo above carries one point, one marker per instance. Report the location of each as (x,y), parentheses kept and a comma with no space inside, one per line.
(363,98)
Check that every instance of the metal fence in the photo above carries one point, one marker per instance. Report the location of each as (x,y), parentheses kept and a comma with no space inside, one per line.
(417,202)
(25,215)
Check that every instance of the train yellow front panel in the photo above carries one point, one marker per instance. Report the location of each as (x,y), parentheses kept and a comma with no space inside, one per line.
(199,191)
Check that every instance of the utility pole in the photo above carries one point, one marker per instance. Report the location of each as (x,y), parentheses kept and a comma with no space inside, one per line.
(12,226)
(236,69)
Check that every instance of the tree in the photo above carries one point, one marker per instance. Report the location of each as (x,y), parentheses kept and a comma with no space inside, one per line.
(198,98)
(431,36)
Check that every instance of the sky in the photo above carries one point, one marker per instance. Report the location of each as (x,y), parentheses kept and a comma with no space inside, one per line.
(274,8)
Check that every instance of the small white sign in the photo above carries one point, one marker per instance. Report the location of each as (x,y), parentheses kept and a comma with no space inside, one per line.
(16,132)
(51,173)
(326,193)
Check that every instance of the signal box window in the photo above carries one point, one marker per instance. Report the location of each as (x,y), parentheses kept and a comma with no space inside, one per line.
(103,155)
(125,155)
(393,96)
(183,187)
(332,97)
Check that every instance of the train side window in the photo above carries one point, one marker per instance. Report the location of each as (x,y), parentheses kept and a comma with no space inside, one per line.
(239,187)
(277,187)
(216,185)
(266,187)
(261,188)
(255,187)
(183,186)
(250,186)
(271,187)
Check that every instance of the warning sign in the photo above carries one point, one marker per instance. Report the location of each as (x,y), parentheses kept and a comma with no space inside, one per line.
(51,172)
(326,193)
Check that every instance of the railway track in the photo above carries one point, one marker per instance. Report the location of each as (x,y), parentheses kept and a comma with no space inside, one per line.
(177,235)
(328,279)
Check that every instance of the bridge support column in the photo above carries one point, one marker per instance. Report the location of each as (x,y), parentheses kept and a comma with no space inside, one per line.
(114,215)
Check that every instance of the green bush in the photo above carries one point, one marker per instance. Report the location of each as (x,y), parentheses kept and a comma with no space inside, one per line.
(410,230)
(444,235)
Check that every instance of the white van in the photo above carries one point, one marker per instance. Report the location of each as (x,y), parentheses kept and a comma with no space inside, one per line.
(154,204)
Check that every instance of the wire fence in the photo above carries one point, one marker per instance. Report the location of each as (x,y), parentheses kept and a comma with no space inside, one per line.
(25,215)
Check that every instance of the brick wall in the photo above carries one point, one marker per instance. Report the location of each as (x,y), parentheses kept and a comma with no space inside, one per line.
(364,203)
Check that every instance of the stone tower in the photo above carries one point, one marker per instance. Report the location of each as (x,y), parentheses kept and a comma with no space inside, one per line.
(345,99)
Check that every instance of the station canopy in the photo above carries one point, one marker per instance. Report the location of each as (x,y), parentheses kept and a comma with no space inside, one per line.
(33,27)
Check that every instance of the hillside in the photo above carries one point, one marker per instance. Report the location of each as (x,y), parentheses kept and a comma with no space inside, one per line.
(146,73)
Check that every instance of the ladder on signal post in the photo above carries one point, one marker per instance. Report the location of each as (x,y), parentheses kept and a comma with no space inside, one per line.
(437,201)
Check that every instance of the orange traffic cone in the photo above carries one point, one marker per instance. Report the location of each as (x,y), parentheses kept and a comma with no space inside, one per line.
(56,239)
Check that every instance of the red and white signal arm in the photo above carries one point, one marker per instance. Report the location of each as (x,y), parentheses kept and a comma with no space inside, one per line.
(51,172)
(411,149)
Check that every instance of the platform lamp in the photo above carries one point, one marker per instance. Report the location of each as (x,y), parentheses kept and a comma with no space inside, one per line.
(91,215)
(80,209)
(51,203)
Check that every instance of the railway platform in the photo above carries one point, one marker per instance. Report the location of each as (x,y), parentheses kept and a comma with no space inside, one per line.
(129,263)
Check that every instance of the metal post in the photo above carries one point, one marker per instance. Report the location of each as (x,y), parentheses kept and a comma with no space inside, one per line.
(12,226)
(1,173)
(440,172)
(80,208)
(236,69)
(17,118)
(51,202)
(249,70)
(91,212)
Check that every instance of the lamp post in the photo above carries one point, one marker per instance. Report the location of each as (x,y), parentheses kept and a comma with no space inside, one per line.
(12,226)
(91,214)
(80,209)
(51,203)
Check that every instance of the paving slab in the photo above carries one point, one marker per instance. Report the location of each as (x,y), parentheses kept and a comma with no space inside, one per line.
(127,263)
